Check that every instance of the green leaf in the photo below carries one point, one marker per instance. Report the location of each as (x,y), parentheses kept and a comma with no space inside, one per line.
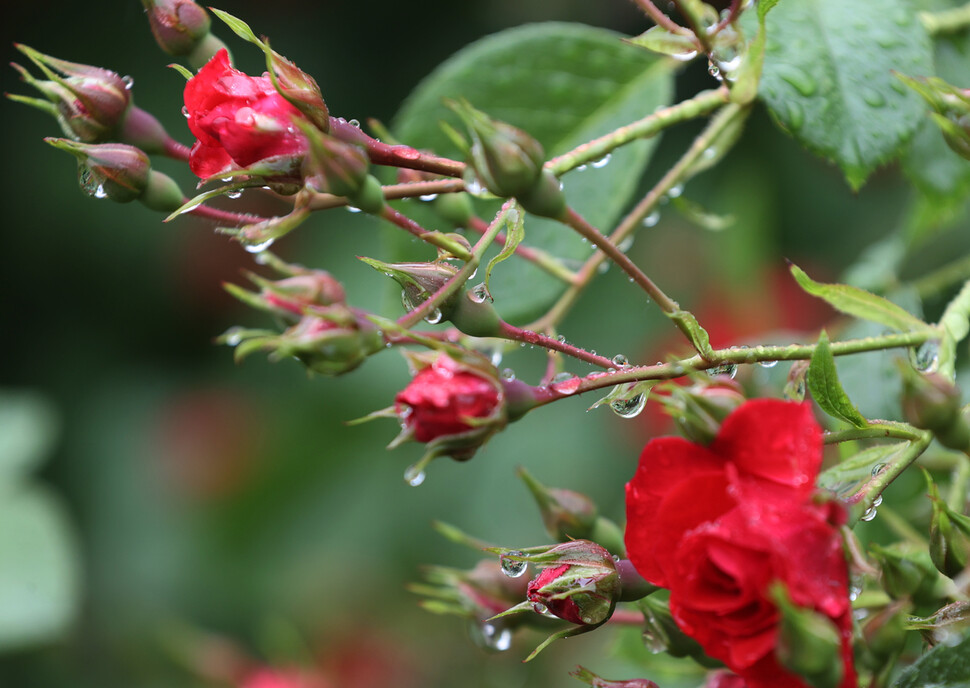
(828,78)
(514,234)
(945,666)
(956,326)
(688,324)
(860,303)
(847,477)
(28,427)
(823,383)
(564,84)
(659,40)
(238,26)
(38,569)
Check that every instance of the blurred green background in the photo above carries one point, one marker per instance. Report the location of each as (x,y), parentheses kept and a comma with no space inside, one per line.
(202,496)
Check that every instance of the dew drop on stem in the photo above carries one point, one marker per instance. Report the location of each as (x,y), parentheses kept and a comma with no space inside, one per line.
(602,162)
(767,364)
(926,358)
(652,219)
(507,374)
(513,568)
(258,247)
(234,194)
(414,475)
(729,369)
(630,407)
(620,361)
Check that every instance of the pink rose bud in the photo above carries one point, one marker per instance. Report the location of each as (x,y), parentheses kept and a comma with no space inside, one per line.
(179,26)
(122,173)
(241,122)
(291,297)
(579,584)
(90,103)
(327,340)
(587,676)
(454,404)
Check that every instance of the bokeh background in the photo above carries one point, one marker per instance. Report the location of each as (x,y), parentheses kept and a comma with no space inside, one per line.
(204,502)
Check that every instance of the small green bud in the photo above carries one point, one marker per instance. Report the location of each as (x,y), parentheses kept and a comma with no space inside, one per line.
(907,571)
(949,536)
(700,409)
(661,633)
(809,644)
(567,515)
(885,633)
(419,281)
(454,208)
(952,110)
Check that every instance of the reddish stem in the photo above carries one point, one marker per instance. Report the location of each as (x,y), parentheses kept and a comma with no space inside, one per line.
(659,18)
(223,216)
(537,339)
(395,156)
(176,150)
(733,13)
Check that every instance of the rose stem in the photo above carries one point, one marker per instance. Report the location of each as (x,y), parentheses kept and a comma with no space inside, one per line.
(659,18)
(222,216)
(175,150)
(535,338)
(434,238)
(536,256)
(395,156)
(392,192)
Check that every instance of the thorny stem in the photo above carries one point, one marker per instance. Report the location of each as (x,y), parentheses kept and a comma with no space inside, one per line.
(223,216)
(659,18)
(393,192)
(175,150)
(537,339)
(864,499)
(395,156)
(702,104)
(946,21)
(434,238)
(455,282)
(792,352)
(677,174)
(534,255)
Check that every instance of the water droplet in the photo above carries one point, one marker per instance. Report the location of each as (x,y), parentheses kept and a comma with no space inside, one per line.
(877,469)
(854,592)
(496,638)
(676,191)
(185,112)
(714,71)
(798,79)
(624,245)
(233,336)
(654,642)
(354,123)
(262,258)
(128,82)
(926,358)
(621,361)
(234,194)
(428,197)
(434,317)
(709,153)
(652,219)
(729,369)
(496,357)
(99,192)
(513,568)
(352,209)
(767,364)
(602,162)
(728,64)
(630,407)
(685,56)
(479,293)
(870,513)
(582,168)
(566,383)
(507,374)
(414,475)
(561,339)
(256,247)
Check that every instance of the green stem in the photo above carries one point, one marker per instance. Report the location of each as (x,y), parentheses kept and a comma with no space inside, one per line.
(946,21)
(677,174)
(434,238)
(536,256)
(865,498)
(450,287)
(702,104)
(881,429)
(956,497)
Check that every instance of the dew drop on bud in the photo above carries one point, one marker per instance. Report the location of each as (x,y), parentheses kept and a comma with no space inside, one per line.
(621,361)
(602,162)
(629,408)
(352,209)
(767,364)
(512,568)
(926,358)
(233,336)
(729,369)
(234,194)
(434,317)
(258,247)
(428,197)
(354,123)
(128,82)
(479,293)
(652,219)
(508,374)
(654,643)
(414,476)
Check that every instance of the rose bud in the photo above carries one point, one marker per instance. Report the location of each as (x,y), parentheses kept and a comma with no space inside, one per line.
(952,106)
(907,572)
(327,340)
(477,594)
(334,166)
(587,676)
(182,28)
(662,634)
(300,89)
(809,643)
(90,103)
(454,208)
(567,515)
(509,162)
(290,297)
(884,634)
(932,402)
(418,282)
(725,679)
(122,173)
(949,536)
(241,122)
(699,410)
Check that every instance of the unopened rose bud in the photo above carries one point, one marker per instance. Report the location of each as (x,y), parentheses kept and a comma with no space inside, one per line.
(699,410)
(949,537)
(121,173)
(567,515)
(952,110)
(579,581)
(300,89)
(587,676)
(418,282)
(478,594)
(90,103)
(809,643)
(182,28)
(907,572)
(290,297)
(929,400)
(334,166)
(453,405)
(885,634)
(327,340)
(454,208)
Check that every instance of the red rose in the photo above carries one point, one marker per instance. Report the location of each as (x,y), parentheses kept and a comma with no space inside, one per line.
(239,120)
(445,398)
(718,525)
